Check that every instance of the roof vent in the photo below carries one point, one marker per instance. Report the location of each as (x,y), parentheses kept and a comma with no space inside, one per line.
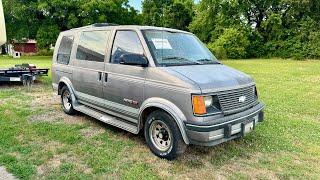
(103,24)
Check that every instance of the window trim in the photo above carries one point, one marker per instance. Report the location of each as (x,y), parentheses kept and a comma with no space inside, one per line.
(114,38)
(71,48)
(106,48)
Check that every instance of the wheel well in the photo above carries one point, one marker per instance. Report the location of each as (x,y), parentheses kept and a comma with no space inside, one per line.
(151,109)
(61,85)
(146,113)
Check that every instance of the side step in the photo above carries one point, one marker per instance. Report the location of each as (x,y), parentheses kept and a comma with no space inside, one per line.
(114,121)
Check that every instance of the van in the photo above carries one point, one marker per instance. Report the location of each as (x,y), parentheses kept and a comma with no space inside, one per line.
(160,81)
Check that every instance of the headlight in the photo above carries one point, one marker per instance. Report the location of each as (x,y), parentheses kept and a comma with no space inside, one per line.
(205,105)
(208,101)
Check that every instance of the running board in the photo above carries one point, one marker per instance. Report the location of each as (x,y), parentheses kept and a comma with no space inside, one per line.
(114,121)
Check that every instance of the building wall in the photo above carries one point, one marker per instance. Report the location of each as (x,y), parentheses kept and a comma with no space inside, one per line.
(25,48)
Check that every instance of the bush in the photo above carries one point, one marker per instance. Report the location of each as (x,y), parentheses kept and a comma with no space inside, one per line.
(256,47)
(45,52)
(231,44)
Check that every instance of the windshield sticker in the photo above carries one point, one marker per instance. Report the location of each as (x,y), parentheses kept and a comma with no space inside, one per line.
(161,43)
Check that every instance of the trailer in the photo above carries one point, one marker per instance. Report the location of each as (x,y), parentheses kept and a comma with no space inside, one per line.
(25,73)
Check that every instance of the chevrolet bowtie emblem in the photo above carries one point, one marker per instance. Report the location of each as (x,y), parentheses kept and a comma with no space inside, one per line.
(242,99)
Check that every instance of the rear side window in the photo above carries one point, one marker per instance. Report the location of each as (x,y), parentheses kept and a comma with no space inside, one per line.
(64,51)
(92,46)
(125,42)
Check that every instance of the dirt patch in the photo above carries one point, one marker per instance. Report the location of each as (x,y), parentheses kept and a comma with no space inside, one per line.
(4,174)
(55,114)
(55,162)
(243,166)
(2,102)
(52,146)
(41,99)
(47,116)
(92,131)
(50,165)
(49,105)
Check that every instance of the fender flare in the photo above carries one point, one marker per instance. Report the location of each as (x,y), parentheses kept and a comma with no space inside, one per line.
(170,108)
(68,83)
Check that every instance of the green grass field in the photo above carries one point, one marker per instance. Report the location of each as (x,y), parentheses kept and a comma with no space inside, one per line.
(37,140)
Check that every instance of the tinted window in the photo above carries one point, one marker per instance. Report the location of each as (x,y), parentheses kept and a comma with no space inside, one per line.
(126,42)
(92,46)
(64,51)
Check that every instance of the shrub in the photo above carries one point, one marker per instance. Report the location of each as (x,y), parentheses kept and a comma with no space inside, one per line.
(256,47)
(232,43)
(45,52)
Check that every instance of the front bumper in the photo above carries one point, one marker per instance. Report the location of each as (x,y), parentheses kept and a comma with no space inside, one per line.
(226,128)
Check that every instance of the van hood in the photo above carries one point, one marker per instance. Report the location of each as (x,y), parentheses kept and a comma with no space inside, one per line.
(213,77)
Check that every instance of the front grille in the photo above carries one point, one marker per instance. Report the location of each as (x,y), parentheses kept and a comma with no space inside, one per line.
(229,100)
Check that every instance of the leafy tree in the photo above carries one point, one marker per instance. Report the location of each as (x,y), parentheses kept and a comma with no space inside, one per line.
(231,44)
(46,35)
(21,22)
(44,19)
(273,28)
(169,13)
(153,10)
(177,16)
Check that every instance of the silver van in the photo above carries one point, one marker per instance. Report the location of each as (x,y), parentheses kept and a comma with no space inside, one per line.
(161,81)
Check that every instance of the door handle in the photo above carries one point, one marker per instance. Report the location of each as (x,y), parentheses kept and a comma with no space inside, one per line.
(100,76)
(105,77)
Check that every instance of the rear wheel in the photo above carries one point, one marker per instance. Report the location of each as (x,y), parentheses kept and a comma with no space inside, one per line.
(66,101)
(163,135)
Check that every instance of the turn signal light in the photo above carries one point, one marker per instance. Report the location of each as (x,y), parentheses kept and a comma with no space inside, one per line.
(198,103)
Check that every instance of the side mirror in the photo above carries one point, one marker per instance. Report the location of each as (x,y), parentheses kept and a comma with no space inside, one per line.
(134,59)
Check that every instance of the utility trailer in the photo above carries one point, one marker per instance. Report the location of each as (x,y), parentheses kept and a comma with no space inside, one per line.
(25,73)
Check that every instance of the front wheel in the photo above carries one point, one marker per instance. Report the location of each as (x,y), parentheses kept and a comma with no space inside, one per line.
(163,135)
(66,101)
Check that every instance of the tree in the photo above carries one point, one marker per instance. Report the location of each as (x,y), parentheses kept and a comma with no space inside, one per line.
(47,34)
(44,19)
(232,43)
(168,13)
(20,20)
(274,28)
(177,16)
(153,10)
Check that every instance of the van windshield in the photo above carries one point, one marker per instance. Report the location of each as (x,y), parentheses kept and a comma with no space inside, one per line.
(177,49)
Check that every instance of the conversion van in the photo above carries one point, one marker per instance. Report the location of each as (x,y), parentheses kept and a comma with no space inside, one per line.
(160,81)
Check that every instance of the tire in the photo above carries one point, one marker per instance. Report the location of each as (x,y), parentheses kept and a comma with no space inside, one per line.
(163,135)
(66,101)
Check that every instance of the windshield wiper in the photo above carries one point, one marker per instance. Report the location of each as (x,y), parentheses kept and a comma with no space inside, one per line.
(181,58)
(208,61)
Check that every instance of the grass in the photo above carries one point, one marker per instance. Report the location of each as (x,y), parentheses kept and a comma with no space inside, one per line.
(38,141)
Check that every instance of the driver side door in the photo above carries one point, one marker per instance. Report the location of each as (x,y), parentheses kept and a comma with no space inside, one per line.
(123,85)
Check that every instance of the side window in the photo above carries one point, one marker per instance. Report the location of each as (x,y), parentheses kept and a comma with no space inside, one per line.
(64,50)
(92,46)
(126,42)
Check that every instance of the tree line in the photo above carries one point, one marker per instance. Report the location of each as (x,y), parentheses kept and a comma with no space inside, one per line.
(230,28)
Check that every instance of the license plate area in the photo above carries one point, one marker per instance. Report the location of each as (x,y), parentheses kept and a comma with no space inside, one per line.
(247,126)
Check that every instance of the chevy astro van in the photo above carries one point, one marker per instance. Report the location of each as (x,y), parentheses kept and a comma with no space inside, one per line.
(160,81)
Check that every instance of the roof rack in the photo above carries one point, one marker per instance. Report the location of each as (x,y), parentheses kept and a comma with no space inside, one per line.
(104,24)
